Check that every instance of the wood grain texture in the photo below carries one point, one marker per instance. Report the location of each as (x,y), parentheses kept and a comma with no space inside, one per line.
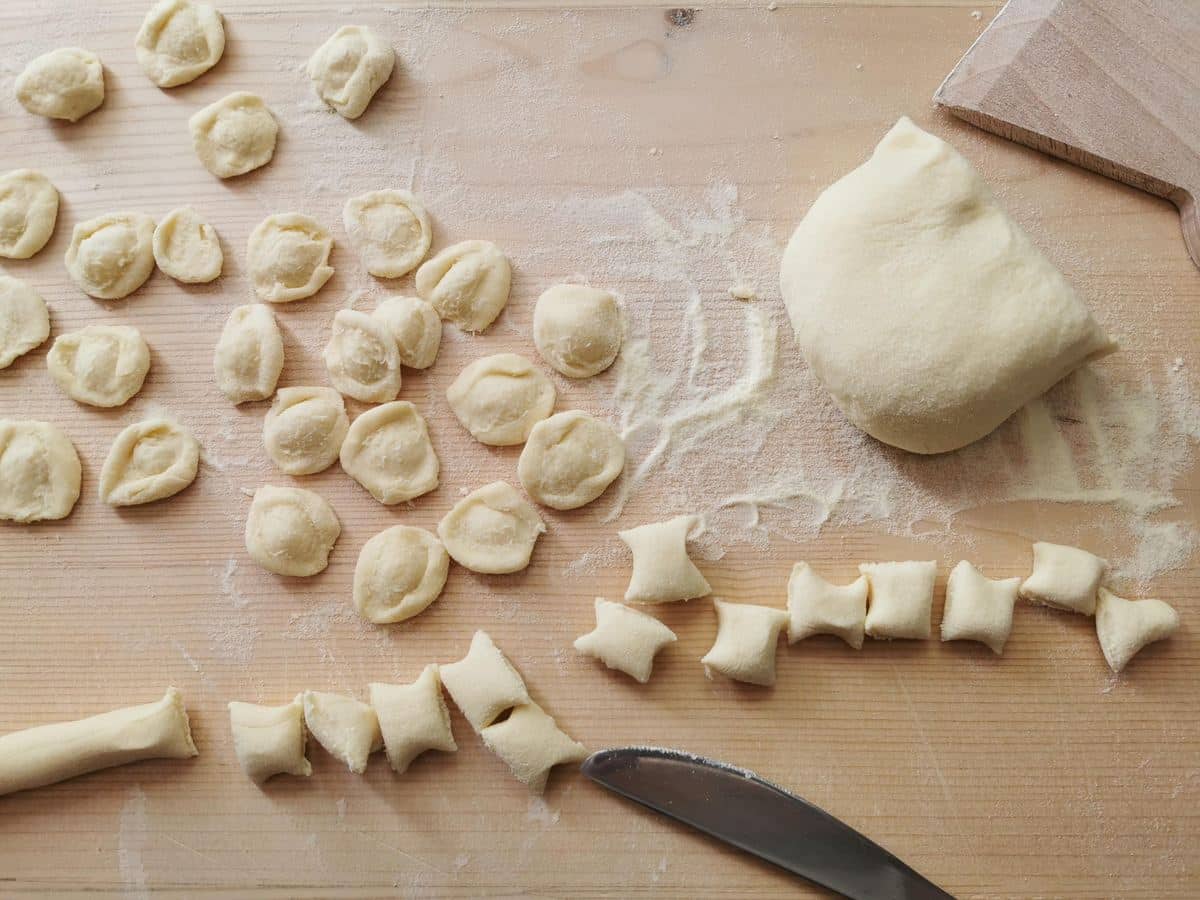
(1034,774)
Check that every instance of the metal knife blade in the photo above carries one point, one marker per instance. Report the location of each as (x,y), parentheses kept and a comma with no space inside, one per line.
(739,808)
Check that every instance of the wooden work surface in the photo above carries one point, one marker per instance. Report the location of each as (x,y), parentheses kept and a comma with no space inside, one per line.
(1034,774)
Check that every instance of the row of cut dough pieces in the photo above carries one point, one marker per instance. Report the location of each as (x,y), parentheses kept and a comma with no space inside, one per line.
(407,720)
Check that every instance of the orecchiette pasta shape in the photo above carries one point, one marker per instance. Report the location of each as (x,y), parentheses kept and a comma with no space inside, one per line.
(1124,626)
(625,639)
(1064,578)
(500,398)
(349,68)
(467,283)
(24,319)
(67,83)
(347,728)
(149,460)
(269,740)
(39,471)
(570,459)
(978,608)
(390,229)
(901,599)
(111,256)
(413,718)
(577,329)
(28,211)
(288,257)
(400,572)
(531,743)
(186,247)
(483,684)
(249,354)
(291,531)
(817,607)
(100,365)
(747,637)
(492,530)
(304,429)
(362,358)
(179,41)
(387,450)
(234,135)
(416,327)
(662,570)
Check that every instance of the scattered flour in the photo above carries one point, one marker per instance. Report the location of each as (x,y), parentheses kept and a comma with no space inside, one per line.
(132,835)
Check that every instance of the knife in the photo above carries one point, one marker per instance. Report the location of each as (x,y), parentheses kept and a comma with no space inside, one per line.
(739,808)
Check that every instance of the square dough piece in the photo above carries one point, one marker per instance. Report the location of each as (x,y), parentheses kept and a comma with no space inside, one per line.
(817,607)
(1065,578)
(662,570)
(746,642)
(1124,627)
(269,740)
(483,684)
(978,608)
(625,639)
(901,595)
(413,718)
(347,728)
(532,744)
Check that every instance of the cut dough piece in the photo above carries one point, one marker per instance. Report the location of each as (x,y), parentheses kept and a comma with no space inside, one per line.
(100,365)
(747,637)
(531,743)
(187,248)
(926,311)
(39,471)
(290,531)
(662,570)
(111,256)
(179,41)
(467,283)
(400,572)
(413,718)
(362,358)
(1065,578)
(149,461)
(416,327)
(500,398)
(24,319)
(388,451)
(51,753)
(304,429)
(269,740)
(288,256)
(817,607)
(577,329)
(67,83)
(492,530)
(249,354)
(234,135)
(390,229)
(569,460)
(978,608)
(350,67)
(901,596)
(1126,626)
(625,639)
(483,684)
(28,211)
(347,728)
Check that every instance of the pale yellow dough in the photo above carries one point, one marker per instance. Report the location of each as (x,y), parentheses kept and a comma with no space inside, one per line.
(500,398)
(1065,578)
(531,743)
(362,358)
(67,83)
(249,354)
(39,471)
(400,572)
(747,638)
(625,639)
(28,211)
(24,320)
(978,608)
(350,67)
(390,229)
(387,450)
(662,570)
(347,728)
(304,429)
(1124,627)
(570,459)
(269,740)
(817,607)
(492,530)
(901,599)
(467,283)
(416,327)
(186,247)
(577,329)
(179,41)
(483,684)
(149,461)
(111,256)
(288,257)
(413,718)
(100,365)
(291,531)
(234,135)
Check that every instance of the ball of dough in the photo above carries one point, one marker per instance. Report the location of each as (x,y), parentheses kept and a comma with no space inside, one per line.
(39,471)
(400,572)
(577,329)
(467,283)
(362,358)
(234,135)
(187,248)
(28,211)
(249,354)
(569,460)
(500,398)
(67,83)
(304,429)
(387,450)
(290,531)
(288,257)
(179,41)
(149,461)
(390,229)
(100,365)
(416,328)
(111,256)
(491,530)
(24,320)
(350,67)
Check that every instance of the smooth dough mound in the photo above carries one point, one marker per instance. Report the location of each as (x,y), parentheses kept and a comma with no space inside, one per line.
(577,329)
(662,570)
(304,429)
(416,326)
(467,283)
(413,718)
(187,248)
(400,572)
(249,354)
(111,256)
(234,135)
(290,531)
(39,471)
(491,530)
(500,398)
(350,67)
(390,229)
(288,257)
(100,365)
(747,638)
(269,740)
(67,83)
(926,311)
(1126,626)
(570,459)
(362,358)
(149,460)
(28,211)
(625,639)
(387,450)
(179,41)
(24,320)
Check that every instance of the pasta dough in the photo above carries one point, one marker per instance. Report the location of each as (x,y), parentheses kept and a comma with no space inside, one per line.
(269,740)
(234,135)
(662,570)
(349,68)
(100,365)
(416,327)
(362,358)
(978,608)
(483,684)
(179,41)
(186,247)
(492,530)
(400,572)
(531,743)
(24,320)
(1126,626)
(390,229)
(288,256)
(249,354)
(500,398)
(111,256)
(304,429)
(388,451)
(817,607)
(577,329)
(413,718)
(928,313)
(1065,578)
(467,283)
(28,211)
(50,753)
(570,459)
(149,460)
(625,639)
(39,471)
(347,728)
(67,83)
(901,599)
(746,642)
(290,531)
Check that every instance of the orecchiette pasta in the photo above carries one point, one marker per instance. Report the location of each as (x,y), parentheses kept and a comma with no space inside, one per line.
(149,460)
(179,41)
(387,450)
(400,572)
(746,642)
(349,68)
(347,728)
(186,247)
(111,256)
(492,530)
(901,599)
(304,429)
(467,283)
(290,531)
(288,257)
(625,639)
(662,570)
(234,135)
(24,319)
(67,83)
(500,398)
(390,229)
(978,608)
(249,354)
(28,211)
(269,740)
(416,327)
(100,365)
(577,329)
(817,607)
(413,718)
(483,684)
(1124,627)
(531,742)
(570,459)
(362,358)
(39,471)
(1065,578)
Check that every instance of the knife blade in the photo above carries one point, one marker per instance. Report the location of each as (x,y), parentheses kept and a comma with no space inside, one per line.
(736,806)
